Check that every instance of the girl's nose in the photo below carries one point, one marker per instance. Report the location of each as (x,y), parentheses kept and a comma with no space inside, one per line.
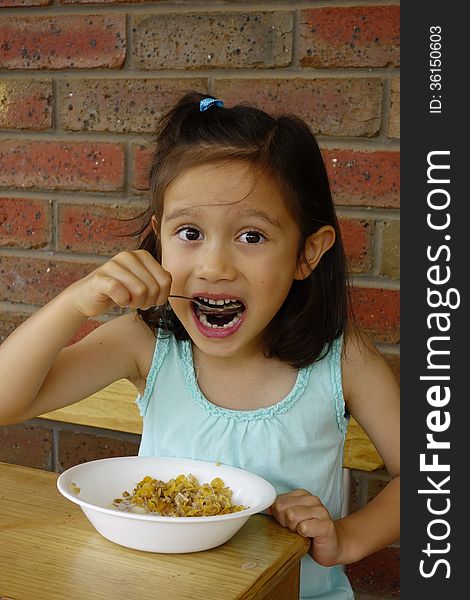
(215,264)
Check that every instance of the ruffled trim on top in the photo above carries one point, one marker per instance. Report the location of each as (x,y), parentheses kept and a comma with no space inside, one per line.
(335,370)
(239,415)
(162,345)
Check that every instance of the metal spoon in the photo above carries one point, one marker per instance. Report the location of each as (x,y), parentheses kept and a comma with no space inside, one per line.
(212,308)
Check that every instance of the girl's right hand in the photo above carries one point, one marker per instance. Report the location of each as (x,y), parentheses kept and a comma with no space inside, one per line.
(133,279)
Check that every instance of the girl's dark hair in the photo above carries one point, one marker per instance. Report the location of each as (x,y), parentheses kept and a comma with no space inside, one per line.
(317,308)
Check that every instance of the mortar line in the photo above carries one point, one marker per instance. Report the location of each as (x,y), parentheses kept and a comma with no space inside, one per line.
(354,143)
(295,39)
(372,281)
(55,448)
(377,249)
(129,62)
(386,96)
(306,73)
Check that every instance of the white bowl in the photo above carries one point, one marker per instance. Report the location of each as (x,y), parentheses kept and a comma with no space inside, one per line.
(101,481)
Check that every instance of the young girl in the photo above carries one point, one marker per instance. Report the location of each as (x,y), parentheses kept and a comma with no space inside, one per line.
(265,369)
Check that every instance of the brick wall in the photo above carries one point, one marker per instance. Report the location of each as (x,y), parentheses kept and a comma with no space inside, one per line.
(82,85)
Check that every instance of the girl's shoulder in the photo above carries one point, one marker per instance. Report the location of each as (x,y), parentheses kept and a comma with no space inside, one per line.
(362,364)
(372,397)
(143,340)
(130,341)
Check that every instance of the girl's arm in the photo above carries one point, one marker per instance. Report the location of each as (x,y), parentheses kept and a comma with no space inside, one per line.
(39,374)
(372,397)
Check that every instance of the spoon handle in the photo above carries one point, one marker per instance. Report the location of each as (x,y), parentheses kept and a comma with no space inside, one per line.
(184,297)
(212,309)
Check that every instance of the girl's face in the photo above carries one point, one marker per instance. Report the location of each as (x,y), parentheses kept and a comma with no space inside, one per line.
(228,238)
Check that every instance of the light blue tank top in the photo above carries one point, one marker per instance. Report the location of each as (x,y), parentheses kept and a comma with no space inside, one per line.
(297,443)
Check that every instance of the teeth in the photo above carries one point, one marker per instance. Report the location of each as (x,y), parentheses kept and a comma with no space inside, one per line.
(202,317)
(219,302)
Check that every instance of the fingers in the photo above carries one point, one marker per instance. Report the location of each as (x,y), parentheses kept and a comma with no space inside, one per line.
(293,514)
(138,276)
(305,514)
(110,287)
(134,279)
(285,502)
(316,528)
(301,512)
(310,523)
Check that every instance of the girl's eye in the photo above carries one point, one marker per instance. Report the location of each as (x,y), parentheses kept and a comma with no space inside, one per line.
(189,234)
(252,237)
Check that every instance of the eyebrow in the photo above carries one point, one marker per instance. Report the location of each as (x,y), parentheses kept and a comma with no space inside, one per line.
(180,212)
(260,214)
(249,212)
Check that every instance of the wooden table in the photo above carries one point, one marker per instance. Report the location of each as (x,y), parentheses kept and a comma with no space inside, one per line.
(49,551)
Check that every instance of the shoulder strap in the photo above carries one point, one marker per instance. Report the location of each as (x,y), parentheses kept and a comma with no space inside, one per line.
(336,381)
(162,345)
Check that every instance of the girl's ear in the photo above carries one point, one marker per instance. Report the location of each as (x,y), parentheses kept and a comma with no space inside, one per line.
(155,225)
(315,247)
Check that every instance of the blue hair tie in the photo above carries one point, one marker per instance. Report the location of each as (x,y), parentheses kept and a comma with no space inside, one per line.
(206,103)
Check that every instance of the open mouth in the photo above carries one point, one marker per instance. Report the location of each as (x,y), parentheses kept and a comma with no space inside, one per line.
(218,314)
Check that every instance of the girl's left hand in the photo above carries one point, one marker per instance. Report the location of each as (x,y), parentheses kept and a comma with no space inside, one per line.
(303,513)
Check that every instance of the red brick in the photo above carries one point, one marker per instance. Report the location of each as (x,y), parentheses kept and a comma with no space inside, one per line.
(357,178)
(133,105)
(9,321)
(346,107)
(14,3)
(24,222)
(378,573)
(141,162)
(378,313)
(25,104)
(354,36)
(357,240)
(360,178)
(76,448)
(84,330)
(63,42)
(241,40)
(26,445)
(61,165)
(37,280)
(97,228)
